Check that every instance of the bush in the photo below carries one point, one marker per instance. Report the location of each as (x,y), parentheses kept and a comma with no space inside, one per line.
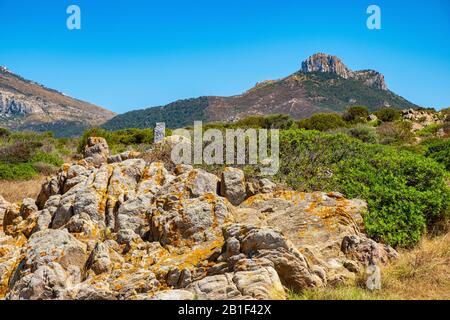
(118,141)
(429,130)
(439,150)
(405,192)
(387,114)
(277,121)
(4,133)
(356,114)
(322,122)
(48,158)
(20,171)
(45,168)
(16,153)
(364,133)
(395,133)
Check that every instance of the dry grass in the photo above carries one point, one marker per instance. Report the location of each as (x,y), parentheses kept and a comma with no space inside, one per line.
(422,273)
(15,191)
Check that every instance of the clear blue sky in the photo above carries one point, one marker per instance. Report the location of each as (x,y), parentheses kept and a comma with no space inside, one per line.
(140,53)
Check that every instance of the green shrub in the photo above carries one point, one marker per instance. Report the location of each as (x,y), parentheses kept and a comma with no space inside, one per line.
(387,114)
(322,122)
(439,150)
(4,133)
(429,130)
(395,133)
(277,121)
(356,114)
(49,158)
(365,133)
(17,152)
(405,192)
(20,171)
(118,141)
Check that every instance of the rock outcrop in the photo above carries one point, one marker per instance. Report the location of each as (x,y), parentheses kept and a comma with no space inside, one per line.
(325,63)
(135,230)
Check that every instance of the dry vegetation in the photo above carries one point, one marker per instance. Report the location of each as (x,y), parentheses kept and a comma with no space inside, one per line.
(16,191)
(422,273)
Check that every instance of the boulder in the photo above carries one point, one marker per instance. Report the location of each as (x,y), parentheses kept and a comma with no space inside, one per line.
(233,185)
(53,261)
(260,283)
(187,222)
(96,150)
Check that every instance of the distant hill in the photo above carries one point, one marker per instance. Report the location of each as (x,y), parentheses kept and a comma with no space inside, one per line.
(323,84)
(27,105)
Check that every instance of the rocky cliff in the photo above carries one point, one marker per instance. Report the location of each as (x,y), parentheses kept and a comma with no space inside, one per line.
(117,227)
(26,105)
(325,63)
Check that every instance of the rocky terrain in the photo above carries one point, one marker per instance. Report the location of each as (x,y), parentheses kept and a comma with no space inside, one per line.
(117,227)
(323,84)
(26,105)
(324,63)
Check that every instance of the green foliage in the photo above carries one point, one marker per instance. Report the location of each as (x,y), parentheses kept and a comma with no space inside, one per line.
(395,133)
(387,114)
(118,141)
(20,171)
(405,192)
(356,114)
(363,132)
(4,132)
(429,130)
(266,122)
(439,150)
(336,92)
(322,122)
(48,158)
(25,154)
(176,115)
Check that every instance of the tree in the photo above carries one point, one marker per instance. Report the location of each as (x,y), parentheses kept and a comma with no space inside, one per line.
(322,122)
(356,114)
(387,114)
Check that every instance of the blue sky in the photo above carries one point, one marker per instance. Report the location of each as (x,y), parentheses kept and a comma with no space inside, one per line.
(140,53)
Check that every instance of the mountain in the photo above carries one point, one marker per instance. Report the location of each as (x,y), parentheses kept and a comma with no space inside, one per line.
(323,84)
(26,105)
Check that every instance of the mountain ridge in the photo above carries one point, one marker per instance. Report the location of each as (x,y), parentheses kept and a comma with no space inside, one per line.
(323,84)
(28,105)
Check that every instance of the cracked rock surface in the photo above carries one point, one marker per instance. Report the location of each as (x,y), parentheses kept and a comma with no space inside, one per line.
(108,230)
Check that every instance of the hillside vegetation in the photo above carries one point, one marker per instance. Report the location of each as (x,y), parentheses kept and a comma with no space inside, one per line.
(25,155)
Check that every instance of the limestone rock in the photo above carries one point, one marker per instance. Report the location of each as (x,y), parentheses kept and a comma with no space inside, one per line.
(262,284)
(233,185)
(187,222)
(173,295)
(128,229)
(99,260)
(325,63)
(96,150)
(57,246)
(266,186)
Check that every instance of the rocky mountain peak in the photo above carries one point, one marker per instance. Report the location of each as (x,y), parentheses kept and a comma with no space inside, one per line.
(325,63)
(321,62)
